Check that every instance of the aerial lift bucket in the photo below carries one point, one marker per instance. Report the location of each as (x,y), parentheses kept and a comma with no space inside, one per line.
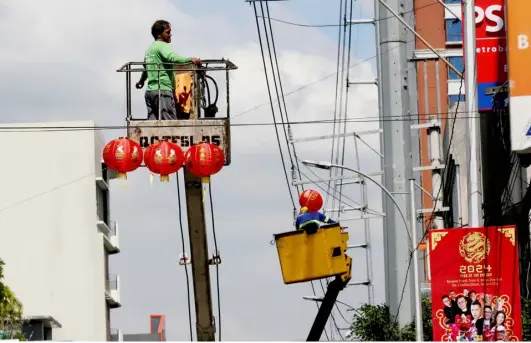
(306,257)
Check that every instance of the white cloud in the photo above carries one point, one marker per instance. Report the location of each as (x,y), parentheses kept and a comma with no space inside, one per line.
(63,67)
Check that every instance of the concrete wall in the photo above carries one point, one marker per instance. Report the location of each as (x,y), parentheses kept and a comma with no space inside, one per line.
(49,241)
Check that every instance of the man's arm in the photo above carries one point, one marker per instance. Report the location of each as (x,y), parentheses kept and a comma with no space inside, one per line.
(143,79)
(326,219)
(169,56)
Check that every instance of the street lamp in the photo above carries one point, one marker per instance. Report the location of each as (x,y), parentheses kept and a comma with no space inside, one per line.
(411,230)
(328,166)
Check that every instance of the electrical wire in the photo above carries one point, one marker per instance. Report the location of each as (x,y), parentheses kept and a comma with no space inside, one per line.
(283,98)
(427,229)
(342,171)
(272,108)
(271,49)
(184,253)
(397,118)
(215,257)
(333,74)
(338,68)
(274,76)
(281,105)
(336,25)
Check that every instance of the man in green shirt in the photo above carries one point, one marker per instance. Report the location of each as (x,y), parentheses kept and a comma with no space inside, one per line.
(161,84)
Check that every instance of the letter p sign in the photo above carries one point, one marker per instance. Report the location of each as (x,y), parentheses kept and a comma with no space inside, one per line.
(523,42)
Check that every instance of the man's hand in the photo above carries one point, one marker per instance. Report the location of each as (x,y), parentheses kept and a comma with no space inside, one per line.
(139,84)
(195,60)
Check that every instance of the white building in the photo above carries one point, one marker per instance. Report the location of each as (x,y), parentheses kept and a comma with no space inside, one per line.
(55,229)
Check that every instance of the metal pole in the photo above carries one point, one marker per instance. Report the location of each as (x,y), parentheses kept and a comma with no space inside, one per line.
(414,243)
(392,42)
(475,196)
(394,13)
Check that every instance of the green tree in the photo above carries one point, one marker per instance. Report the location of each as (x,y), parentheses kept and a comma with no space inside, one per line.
(526,320)
(375,323)
(10,311)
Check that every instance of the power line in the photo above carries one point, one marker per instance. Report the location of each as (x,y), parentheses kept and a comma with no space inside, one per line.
(272,108)
(336,25)
(283,99)
(216,260)
(373,119)
(184,257)
(273,64)
(426,231)
(330,75)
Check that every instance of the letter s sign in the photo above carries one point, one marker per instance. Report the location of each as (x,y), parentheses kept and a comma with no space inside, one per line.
(493,15)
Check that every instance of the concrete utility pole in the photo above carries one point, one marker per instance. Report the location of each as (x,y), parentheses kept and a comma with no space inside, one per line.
(205,327)
(392,73)
(475,193)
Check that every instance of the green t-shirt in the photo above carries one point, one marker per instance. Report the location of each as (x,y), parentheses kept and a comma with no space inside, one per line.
(161,52)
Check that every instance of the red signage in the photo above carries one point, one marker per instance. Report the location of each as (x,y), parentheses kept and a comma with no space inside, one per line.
(474,284)
(491,48)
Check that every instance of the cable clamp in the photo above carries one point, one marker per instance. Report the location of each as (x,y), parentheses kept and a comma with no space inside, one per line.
(184,259)
(216,258)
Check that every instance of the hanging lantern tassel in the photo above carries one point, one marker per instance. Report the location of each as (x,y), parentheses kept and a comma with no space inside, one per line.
(122,176)
(151,179)
(124,185)
(164,178)
(205,180)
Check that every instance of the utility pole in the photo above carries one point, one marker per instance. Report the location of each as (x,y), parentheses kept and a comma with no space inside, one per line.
(391,39)
(475,193)
(199,255)
(205,327)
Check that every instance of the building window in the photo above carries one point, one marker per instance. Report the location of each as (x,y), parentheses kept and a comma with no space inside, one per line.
(102,202)
(456,61)
(452,99)
(454,30)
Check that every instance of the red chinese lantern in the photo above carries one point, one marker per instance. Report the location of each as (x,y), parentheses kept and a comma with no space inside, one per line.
(204,160)
(164,158)
(310,200)
(122,155)
(146,153)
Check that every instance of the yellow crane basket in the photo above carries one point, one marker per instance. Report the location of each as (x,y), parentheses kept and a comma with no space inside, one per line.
(306,257)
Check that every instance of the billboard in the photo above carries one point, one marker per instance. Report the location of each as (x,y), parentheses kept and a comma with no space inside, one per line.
(518,34)
(491,48)
(474,284)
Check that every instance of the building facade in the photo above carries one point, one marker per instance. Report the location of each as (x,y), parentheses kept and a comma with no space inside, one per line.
(157,331)
(438,88)
(56,229)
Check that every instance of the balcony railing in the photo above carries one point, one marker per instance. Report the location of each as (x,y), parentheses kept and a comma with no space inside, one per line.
(110,235)
(111,283)
(116,335)
(112,290)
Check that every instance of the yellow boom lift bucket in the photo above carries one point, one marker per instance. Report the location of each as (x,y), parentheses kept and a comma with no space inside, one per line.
(306,257)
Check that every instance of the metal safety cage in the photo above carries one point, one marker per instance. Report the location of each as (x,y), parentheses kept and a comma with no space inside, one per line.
(203,123)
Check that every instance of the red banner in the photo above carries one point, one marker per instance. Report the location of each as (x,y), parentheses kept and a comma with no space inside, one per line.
(475,284)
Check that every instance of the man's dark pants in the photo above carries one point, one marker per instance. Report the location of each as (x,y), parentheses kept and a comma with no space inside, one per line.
(168,110)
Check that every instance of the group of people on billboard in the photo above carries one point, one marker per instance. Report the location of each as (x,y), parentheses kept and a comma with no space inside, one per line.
(473,316)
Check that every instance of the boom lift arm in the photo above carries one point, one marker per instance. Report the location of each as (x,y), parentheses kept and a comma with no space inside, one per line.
(306,256)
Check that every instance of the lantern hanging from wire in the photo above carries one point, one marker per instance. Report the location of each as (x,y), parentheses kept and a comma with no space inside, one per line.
(204,160)
(164,158)
(123,155)
(310,201)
